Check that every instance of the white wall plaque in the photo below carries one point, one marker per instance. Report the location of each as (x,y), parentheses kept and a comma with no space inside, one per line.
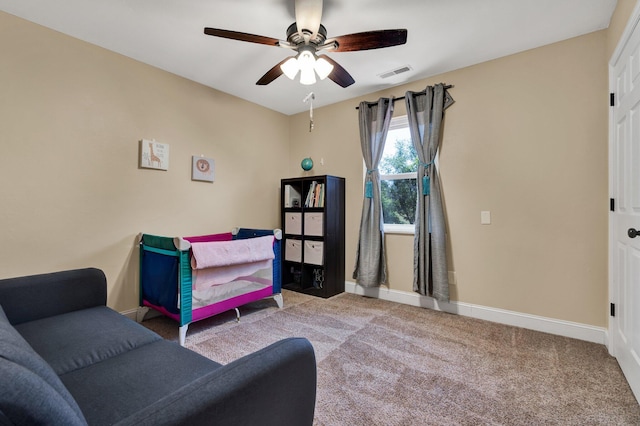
(154,155)
(202,168)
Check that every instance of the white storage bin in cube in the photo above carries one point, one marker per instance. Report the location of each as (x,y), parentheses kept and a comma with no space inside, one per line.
(293,250)
(313,224)
(313,252)
(293,223)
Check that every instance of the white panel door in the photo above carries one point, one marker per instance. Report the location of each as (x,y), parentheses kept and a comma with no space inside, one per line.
(624,221)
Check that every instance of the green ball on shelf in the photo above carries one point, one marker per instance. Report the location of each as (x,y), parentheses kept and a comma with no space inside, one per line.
(307,164)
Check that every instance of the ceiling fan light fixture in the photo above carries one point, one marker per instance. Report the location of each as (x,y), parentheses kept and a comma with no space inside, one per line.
(323,68)
(307,76)
(306,62)
(290,68)
(306,59)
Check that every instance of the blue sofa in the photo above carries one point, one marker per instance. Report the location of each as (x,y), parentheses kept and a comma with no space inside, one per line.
(67,359)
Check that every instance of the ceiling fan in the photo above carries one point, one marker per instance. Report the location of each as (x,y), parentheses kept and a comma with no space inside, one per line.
(307,36)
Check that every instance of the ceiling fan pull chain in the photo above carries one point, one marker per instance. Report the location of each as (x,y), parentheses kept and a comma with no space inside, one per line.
(309,98)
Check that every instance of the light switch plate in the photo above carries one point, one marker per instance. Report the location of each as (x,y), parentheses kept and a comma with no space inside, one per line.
(485,218)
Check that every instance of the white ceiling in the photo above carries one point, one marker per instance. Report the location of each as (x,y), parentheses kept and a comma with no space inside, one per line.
(443,35)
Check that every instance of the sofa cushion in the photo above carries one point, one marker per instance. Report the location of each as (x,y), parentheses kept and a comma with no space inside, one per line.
(31,392)
(118,387)
(81,338)
(26,399)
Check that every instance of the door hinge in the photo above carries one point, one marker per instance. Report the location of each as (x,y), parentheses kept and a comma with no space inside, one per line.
(612,99)
(613,309)
(612,204)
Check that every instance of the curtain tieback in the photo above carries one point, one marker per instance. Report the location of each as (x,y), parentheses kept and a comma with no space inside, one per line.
(368,185)
(426,181)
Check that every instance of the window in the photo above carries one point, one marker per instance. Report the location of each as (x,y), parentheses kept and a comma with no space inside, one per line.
(398,168)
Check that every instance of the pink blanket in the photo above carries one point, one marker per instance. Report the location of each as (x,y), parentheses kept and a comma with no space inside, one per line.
(226,253)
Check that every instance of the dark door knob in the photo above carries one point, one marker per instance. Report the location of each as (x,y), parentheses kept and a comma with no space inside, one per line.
(632,233)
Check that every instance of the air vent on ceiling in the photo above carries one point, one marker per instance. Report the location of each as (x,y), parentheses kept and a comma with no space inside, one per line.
(396,71)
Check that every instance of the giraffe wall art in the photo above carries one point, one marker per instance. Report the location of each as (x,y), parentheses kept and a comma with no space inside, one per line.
(154,155)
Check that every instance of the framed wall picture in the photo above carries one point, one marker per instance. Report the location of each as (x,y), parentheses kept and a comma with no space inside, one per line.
(202,168)
(154,155)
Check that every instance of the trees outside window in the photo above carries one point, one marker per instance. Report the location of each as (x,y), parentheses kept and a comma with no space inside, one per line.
(397,169)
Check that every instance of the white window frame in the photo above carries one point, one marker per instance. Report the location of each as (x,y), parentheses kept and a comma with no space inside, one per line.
(389,228)
(395,228)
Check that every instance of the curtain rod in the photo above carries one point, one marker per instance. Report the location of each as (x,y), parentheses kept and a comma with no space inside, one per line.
(448,86)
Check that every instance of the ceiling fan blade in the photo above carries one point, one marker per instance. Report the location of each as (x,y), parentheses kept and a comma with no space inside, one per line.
(369,40)
(308,17)
(235,35)
(272,74)
(339,75)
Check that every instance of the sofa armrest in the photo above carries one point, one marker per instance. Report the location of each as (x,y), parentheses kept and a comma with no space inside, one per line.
(273,386)
(39,296)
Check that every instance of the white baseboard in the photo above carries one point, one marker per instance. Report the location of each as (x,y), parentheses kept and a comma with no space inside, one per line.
(574,330)
(131,313)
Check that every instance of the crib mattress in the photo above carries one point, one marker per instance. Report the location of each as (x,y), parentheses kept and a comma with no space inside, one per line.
(226,291)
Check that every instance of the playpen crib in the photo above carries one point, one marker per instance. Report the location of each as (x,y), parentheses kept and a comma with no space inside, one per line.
(186,285)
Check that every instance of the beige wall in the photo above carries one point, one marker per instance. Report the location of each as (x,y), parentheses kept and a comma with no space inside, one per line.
(526,140)
(71,192)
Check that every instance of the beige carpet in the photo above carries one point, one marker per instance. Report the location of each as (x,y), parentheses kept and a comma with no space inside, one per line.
(382,363)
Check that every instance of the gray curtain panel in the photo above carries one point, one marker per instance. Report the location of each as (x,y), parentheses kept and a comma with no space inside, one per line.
(371,269)
(425,112)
